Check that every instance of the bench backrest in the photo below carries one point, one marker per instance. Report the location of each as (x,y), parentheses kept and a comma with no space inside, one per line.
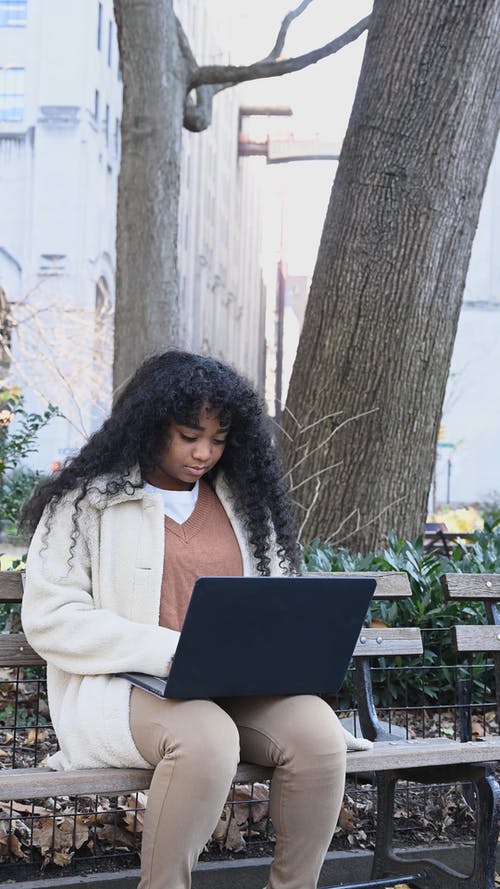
(14,649)
(468,637)
(374,642)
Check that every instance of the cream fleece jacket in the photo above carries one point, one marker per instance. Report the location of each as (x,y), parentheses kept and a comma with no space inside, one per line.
(99,616)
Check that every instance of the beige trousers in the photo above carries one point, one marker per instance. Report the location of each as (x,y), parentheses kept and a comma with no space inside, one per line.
(195,746)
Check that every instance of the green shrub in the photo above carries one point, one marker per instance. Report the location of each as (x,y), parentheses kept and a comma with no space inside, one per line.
(435,679)
(16,442)
(19,430)
(490,511)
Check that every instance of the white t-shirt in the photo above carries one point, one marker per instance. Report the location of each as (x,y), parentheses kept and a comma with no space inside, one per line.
(177,505)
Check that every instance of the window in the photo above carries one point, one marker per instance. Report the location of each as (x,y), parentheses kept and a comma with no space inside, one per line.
(96,105)
(110,42)
(11,94)
(99,26)
(106,124)
(13,13)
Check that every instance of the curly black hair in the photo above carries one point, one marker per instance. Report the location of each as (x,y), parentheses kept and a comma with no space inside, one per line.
(175,387)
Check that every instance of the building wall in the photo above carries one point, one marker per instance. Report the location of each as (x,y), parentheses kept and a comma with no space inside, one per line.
(59,164)
(220,262)
(59,161)
(468,465)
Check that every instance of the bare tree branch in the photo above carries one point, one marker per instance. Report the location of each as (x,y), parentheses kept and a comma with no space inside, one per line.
(359,524)
(354,512)
(314,475)
(325,441)
(232,74)
(294,418)
(197,115)
(309,509)
(208,80)
(80,384)
(279,428)
(283,31)
(326,417)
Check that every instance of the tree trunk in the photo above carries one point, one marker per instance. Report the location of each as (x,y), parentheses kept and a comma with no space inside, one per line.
(154,87)
(386,292)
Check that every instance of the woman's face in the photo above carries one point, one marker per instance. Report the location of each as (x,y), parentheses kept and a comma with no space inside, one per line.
(190,452)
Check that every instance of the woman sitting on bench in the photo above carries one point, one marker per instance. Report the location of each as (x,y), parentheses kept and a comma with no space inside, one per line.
(182,480)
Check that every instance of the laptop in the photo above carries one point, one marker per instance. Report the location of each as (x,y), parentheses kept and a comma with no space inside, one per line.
(265,636)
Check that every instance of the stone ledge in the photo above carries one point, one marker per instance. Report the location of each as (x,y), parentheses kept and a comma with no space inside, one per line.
(251,873)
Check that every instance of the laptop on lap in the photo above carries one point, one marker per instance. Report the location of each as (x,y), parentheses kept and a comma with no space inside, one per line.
(265,636)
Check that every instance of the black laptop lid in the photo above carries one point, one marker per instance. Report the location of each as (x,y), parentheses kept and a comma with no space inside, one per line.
(268,636)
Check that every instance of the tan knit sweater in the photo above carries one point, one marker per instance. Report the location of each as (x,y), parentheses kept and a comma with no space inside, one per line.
(204,545)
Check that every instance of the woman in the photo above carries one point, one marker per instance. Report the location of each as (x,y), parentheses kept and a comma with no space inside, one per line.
(182,480)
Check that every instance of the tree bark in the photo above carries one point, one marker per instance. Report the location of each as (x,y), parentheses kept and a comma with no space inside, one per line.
(155,77)
(386,292)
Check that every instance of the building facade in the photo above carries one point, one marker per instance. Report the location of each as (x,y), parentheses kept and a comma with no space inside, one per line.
(60,114)
(467,467)
(222,294)
(60,110)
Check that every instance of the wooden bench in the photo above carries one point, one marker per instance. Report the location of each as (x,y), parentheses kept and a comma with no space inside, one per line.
(391,759)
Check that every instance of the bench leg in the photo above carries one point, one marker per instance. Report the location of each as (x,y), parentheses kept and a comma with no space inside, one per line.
(387,862)
(384,850)
(487,827)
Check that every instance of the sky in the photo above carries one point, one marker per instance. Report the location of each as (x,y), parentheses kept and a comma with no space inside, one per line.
(321,98)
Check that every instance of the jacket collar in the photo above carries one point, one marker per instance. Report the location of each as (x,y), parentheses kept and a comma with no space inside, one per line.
(101,499)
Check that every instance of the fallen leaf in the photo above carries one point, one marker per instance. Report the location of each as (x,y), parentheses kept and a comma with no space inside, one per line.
(477,729)
(35,736)
(250,802)
(10,845)
(115,836)
(347,817)
(25,809)
(227,833)
(59,838)
(134,807)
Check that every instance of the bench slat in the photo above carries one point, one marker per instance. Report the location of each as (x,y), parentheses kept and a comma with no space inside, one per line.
(15,651)
(390,584)
(381,641)
(479,638)
(385,756)
(482,587)
(11,586)
(392,755)
(42,782)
